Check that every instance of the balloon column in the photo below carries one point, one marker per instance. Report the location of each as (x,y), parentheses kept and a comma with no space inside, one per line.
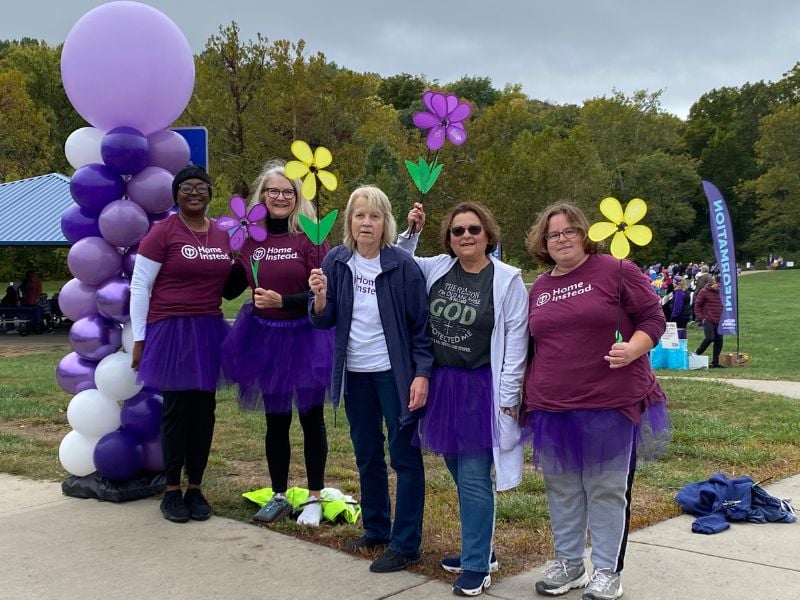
(129,71)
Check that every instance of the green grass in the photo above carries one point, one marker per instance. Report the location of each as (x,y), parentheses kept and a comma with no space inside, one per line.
(716,428)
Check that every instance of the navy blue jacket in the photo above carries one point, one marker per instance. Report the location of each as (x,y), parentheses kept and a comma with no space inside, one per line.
(403,307)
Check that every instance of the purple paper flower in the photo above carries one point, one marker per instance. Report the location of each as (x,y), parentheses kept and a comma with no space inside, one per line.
(244,224)
(443,119)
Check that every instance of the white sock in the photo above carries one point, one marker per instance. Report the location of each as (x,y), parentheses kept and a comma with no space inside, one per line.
(312,513)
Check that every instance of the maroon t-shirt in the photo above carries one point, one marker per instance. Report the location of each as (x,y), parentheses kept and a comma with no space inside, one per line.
(284,265)
(193,269)
(573,318)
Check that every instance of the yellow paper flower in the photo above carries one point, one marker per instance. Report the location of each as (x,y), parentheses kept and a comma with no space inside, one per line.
(622,225)
(310,165)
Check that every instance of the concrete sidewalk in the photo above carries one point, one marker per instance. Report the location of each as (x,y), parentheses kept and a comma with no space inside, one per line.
(62,548)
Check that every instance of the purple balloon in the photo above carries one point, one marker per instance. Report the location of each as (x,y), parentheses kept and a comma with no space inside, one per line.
(152,189)
(75,374)
(118,455)
(78,222)
(77,299)
(113,299)
(93,260)
(168,150)
(123,223)
(141,415)
(129,259)
(95,185)
(161,216)
(95,337)
(124,150)
(153,456)
(126,63)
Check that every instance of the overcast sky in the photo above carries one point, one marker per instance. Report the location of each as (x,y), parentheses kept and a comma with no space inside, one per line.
(559,50)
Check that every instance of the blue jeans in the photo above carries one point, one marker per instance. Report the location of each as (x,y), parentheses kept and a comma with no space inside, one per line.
(370,399)
(473,476)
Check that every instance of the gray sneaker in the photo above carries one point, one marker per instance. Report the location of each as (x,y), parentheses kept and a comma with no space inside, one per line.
(560,577)
(604,585)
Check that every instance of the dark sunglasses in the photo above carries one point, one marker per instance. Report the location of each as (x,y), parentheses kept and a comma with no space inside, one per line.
(458,230)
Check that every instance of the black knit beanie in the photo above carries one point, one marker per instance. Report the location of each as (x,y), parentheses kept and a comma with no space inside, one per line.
(190,172)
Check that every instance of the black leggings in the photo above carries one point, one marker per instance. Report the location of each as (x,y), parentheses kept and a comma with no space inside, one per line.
(279,451)
(711,336)
(187,427)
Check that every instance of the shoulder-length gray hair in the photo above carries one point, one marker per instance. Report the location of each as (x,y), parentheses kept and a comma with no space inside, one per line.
(376,199)
(301,205)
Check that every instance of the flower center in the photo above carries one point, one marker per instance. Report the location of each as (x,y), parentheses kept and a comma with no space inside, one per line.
(313,169)
(244,222)
(443,122)
(621,226)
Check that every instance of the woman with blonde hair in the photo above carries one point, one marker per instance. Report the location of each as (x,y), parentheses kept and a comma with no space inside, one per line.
(374,294)
(276,357)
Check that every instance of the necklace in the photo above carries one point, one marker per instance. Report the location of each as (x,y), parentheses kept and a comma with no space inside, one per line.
(205,222)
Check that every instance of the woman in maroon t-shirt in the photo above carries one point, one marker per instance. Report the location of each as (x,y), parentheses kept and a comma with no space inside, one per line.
(273,353)
(178,329)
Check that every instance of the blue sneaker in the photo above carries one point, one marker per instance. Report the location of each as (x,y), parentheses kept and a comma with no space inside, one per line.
(471,583)
(452,564)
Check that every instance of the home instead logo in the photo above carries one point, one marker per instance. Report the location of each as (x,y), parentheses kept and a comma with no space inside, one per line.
(563,293)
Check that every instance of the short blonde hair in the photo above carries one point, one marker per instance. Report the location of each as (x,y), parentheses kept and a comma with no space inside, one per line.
(484,215)
(536,242)
(301,205)
(376,199)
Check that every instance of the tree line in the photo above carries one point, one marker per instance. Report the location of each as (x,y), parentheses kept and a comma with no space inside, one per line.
(256,96)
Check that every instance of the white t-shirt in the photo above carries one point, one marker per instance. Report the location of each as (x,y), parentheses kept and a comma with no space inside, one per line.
(366,347)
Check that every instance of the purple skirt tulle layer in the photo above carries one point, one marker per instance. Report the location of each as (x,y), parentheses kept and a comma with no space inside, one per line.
(595,440)
(459,415)
(278,363)
(183,353)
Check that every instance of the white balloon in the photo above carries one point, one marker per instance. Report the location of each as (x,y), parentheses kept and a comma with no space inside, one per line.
(76,453)
(83,146)
(115,378)
(127,337)
(93,414)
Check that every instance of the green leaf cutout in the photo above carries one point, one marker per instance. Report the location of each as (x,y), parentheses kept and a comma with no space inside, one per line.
(423,174)
(317,232)
(254,269)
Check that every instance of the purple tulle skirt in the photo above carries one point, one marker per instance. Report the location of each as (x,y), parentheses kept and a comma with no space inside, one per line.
(596,440)
(183,353)
(278,363)
(459,416)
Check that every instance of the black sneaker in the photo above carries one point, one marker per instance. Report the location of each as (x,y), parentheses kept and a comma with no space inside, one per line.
(174,508)
(391,561)
(273,511)
(199,510)
(452,564)
(364,543)
(471,583)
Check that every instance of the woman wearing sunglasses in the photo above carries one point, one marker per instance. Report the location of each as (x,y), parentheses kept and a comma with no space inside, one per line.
(591,400)
(178,329)
(477,319)
(273,353)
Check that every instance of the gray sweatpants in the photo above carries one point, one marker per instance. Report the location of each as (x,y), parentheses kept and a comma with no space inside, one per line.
(599,501)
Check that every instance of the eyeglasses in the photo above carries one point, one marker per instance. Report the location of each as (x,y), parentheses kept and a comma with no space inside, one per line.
(570,233)
(458,230)
(188,188)
(275,193)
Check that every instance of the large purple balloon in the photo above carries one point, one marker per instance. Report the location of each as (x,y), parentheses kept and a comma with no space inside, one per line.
(152,189)
(95,185)
(153,455)
(127,64)
(129,259)
(75,374)
(168,150)
(141,414)
(95,337)
(77,299)
(113,299)
(118,455)
(124,150)
(93,260)
(78,222)
(123,223)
